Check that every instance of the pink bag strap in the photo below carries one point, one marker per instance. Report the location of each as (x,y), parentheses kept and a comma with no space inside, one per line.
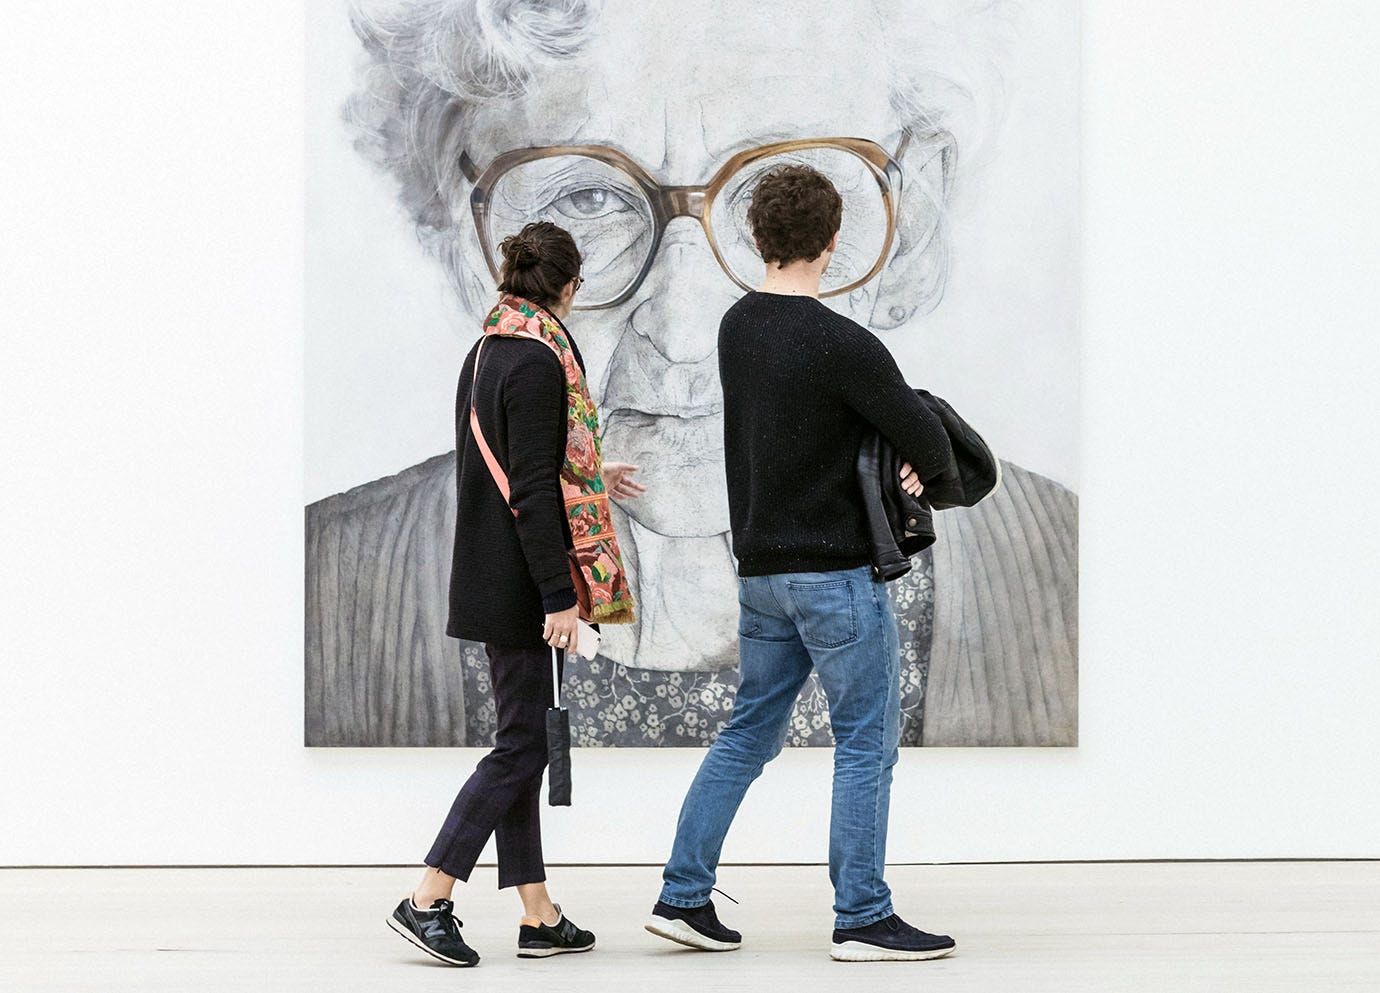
(495,470)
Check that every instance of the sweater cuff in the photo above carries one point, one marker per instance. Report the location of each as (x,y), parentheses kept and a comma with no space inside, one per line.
(554,603)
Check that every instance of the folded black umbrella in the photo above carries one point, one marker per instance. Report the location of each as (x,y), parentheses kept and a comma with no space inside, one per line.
(557,743)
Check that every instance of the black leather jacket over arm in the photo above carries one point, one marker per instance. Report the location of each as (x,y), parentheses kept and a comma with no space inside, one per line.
(901,525)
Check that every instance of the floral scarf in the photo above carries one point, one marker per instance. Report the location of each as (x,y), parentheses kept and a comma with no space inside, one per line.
(582,479)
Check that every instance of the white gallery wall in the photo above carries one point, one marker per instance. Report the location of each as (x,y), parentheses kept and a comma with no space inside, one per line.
(151,424)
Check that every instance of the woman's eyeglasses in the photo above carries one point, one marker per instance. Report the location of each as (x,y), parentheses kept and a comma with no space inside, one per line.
(617,212)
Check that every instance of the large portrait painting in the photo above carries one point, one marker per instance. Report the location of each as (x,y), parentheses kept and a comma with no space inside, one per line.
(437,127)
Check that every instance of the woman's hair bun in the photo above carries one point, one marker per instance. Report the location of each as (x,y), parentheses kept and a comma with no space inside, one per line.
(520,252)
(538,262)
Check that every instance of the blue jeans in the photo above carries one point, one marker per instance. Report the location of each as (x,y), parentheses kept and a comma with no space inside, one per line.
(841,624)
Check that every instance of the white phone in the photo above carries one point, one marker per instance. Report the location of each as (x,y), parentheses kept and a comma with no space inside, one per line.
(586,640)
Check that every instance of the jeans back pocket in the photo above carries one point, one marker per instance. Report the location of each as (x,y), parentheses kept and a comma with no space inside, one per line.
(828,612)
(749,618)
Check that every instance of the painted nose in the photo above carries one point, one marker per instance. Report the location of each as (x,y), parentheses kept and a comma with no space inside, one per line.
(684,296)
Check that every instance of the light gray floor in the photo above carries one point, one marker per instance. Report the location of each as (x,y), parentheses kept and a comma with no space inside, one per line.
(1176,928)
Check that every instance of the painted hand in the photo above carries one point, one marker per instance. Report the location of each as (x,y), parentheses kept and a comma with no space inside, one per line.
(619,482)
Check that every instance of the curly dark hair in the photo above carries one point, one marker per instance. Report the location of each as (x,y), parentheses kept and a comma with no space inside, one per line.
(538,261)
(795,213)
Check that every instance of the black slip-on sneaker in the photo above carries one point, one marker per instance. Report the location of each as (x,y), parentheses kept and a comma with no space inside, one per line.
(434,931)
(698,927)
(888,940)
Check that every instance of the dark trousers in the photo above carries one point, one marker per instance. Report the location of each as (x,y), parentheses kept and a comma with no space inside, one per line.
(502,797)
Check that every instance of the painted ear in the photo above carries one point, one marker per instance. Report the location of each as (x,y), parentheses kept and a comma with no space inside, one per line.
(914,278)
(462,260)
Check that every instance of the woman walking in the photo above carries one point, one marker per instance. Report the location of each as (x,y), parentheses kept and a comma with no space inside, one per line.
(533,528)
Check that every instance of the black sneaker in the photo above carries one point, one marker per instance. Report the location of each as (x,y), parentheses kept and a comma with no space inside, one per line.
(888,940)
(434,931)
(697,927)
(538,940)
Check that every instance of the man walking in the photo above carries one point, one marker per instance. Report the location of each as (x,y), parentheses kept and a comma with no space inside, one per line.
(801,386)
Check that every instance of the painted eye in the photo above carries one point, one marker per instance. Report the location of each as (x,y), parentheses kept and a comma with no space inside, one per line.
(590,202)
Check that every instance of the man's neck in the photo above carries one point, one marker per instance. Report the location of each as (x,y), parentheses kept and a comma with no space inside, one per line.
(799,279)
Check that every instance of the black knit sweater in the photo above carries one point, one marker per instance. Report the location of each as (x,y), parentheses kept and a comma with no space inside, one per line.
(801,386)
(508,572)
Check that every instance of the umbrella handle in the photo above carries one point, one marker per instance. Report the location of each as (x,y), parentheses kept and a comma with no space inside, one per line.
(555,679)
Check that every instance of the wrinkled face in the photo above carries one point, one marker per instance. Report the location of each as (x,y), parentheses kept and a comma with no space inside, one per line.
(681,97)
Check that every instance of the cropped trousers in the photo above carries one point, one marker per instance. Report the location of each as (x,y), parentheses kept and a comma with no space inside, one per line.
(502,797)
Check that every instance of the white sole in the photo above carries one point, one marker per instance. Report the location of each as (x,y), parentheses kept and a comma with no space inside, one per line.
(683,934)
(857,951)
(433,953)
(544,953)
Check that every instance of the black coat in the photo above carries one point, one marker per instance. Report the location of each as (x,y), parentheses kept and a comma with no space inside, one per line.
(508,572)
(901,525)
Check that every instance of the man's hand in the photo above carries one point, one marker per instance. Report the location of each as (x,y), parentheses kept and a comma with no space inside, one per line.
(910,482)
(619,482)
(559,631)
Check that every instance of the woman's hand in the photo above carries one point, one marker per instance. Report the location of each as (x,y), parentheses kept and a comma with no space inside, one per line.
(559,631)
(910,482)
(619,482)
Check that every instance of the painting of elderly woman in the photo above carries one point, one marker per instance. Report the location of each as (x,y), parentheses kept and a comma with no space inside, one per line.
(435,128)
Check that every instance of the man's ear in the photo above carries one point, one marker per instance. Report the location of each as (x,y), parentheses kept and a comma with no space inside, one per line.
(914,278)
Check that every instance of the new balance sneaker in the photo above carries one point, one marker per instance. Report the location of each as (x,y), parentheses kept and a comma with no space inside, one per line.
(434,931)
(888,940)
(697,927)
(537,940)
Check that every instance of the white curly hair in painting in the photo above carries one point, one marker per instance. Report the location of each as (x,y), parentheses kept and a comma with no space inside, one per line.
(431,61)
